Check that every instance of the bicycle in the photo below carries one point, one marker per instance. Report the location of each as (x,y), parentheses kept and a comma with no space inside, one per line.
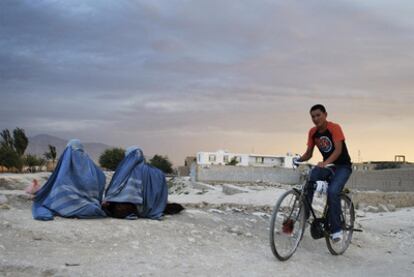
(288,221)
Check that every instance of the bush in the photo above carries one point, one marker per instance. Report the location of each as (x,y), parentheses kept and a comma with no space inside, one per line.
(162,162)
(111,158)
(233,161)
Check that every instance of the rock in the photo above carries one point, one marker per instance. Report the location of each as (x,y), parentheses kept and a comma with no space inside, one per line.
(201,186)
(6,224)
(16,198)
(231,189)
(216,211)
(4,207)
(236,210)
(382,208)
(361,206)
(360,213)
(235,231)
(260,214)
(3,199)
(72,264)
(371,209)
(391,207)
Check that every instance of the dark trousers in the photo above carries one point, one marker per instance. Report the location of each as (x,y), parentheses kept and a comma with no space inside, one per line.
(335,187)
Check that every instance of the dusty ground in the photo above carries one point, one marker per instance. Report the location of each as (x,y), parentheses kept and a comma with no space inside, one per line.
(198,242)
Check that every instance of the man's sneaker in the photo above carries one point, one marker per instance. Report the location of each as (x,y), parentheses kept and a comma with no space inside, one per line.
(337,237)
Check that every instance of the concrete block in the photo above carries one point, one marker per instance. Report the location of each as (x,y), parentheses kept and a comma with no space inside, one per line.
(382,208)
(371,209)
(230,189)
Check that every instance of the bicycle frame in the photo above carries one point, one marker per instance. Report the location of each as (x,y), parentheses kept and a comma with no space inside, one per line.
(304,199)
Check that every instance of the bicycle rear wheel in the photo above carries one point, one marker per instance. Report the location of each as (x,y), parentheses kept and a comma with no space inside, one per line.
(347,222)
(287,225)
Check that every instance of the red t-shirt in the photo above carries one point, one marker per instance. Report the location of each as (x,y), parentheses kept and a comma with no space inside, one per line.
(325,142)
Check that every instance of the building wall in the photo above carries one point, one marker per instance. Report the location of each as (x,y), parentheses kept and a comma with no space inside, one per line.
(377,165)
(384,180)
(236,174)
(203,158)
(288,162)
(183,171)
(388,180)
(267,161)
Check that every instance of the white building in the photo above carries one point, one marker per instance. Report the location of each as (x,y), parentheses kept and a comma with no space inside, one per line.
(222,157)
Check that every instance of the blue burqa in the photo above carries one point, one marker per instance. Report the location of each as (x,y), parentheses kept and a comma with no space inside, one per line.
(75,188)
(138,183)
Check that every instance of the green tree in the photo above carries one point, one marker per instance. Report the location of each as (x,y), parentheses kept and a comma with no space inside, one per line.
(12,148)
(32,161)
(111,158)
(233,161)
(9,158)
(7,139)
(20,141)
(162,162)
(51,154)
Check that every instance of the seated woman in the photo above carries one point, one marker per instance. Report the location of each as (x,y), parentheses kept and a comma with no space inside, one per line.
(137,189)
(74,189)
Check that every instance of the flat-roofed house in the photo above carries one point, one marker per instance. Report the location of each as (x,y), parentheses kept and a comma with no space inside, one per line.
(223,157)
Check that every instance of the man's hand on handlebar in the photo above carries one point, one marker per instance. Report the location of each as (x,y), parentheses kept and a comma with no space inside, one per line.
(321,164)
(296,161)
(325,165)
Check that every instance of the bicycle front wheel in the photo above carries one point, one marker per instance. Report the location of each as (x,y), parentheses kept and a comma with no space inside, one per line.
(347,222)
(287,225)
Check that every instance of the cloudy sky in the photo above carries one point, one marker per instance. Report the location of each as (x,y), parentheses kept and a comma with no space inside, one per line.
(177,77)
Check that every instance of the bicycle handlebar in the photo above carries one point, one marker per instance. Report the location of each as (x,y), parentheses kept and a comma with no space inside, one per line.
(328,166)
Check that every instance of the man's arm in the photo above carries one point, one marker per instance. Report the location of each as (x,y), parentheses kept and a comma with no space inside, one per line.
(335,154)
(307,155)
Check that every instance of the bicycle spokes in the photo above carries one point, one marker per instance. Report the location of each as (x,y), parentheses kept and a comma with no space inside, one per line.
(286,227)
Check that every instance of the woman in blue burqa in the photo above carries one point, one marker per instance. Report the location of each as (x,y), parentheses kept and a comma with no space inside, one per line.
(75,188)
(137,189)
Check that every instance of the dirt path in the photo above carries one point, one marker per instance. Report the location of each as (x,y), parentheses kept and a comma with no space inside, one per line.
(194,243)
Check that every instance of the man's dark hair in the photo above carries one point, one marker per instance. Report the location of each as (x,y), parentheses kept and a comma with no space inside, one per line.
(318,107)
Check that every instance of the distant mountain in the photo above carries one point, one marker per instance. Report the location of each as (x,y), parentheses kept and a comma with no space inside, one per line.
(38,145)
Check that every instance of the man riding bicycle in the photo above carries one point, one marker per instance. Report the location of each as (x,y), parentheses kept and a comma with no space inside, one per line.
(330,140)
